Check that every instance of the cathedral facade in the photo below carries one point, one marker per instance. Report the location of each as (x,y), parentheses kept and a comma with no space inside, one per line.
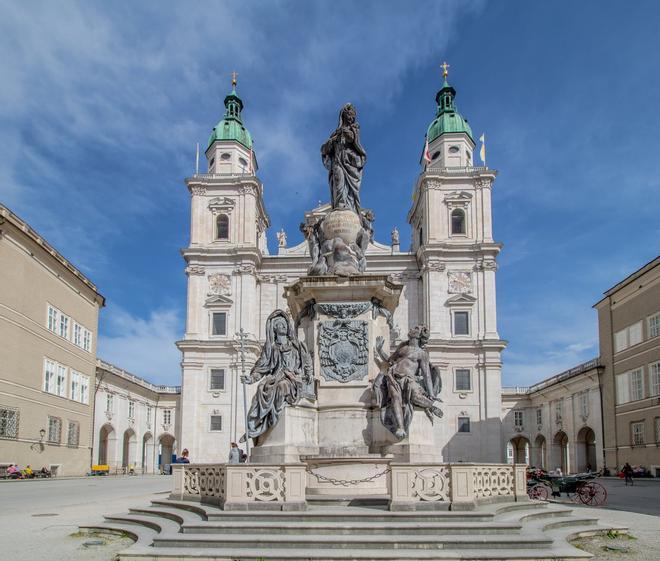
(448,278)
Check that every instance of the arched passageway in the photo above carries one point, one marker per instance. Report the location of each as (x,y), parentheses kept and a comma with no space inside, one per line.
(560,452)
(129,457)
(519,450)
(540,452)
(586,450)
(166,444)
(148,453)
(107,445)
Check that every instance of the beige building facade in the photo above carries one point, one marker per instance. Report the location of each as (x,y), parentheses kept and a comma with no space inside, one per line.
(556,423)
(629,334)
(135,421)
(48,328)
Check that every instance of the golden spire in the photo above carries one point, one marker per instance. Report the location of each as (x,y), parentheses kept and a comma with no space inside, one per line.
(444,67)
(234,75)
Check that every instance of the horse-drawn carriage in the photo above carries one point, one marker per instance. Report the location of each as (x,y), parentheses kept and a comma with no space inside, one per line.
(580,488)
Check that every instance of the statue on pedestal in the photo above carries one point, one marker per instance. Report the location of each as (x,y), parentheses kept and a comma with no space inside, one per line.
(284,372)
(344,158)
(408,381)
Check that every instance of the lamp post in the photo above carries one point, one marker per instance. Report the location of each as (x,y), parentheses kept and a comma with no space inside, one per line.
(242,336)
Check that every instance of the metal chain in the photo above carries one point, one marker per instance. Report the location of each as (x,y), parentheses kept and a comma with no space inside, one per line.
(347,482)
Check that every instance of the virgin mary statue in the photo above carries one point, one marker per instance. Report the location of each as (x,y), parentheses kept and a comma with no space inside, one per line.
(344,158)
(282,369)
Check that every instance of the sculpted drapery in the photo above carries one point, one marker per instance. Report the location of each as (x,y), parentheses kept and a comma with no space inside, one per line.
(344,158)
(282,370)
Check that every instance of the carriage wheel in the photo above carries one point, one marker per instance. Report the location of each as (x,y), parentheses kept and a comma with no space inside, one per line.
(538,492)
(593,494)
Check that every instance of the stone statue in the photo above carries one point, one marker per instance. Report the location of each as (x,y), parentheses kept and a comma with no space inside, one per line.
(344,158)
(395,236)
(408,381)
(283,370)
(281,238)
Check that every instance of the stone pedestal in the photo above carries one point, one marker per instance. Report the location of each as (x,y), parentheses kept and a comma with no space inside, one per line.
(418,447)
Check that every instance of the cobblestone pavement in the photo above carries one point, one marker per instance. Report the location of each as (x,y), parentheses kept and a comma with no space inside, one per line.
(39,518)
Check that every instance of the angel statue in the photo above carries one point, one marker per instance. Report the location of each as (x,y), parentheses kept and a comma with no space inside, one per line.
(283,370)
(344,158)
(409,380)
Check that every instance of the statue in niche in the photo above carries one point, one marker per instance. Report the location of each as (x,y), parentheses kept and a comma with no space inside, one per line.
(344,158)
(284,372)
(409,380)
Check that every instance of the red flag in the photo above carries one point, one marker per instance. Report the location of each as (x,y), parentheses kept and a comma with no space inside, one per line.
(427,154)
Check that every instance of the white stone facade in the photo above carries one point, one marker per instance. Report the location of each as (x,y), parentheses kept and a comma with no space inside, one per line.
(135,422)
(448,282)
(556,423)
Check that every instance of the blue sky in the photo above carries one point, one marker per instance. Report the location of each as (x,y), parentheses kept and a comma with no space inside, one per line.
(102,103)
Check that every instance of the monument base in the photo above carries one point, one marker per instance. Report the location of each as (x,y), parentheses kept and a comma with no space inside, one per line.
(418,447)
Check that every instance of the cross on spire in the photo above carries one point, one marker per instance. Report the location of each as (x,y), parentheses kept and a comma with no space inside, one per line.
(444,67)
(234,75)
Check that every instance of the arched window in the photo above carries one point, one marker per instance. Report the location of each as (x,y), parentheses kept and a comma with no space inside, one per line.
(458,221)
(222,232)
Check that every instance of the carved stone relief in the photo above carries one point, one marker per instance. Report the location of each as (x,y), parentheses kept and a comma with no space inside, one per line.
(194,270)
(344,349)
(219,284)
(344,311)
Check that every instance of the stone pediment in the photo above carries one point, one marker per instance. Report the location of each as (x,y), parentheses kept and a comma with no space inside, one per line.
(218,300)
(221,204)
(460,300)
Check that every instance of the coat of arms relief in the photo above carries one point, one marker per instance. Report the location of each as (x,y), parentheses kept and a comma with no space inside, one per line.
(344,349)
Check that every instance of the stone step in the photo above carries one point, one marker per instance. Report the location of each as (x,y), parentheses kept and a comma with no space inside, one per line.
(177,515)
(141,535)
(157,524)
(353,542)
(352,528)
(322,554)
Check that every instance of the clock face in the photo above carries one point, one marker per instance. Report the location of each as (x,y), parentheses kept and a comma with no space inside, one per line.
(460,282)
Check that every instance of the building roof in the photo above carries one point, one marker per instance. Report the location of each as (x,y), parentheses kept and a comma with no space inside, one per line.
(556,379)
(448,119)
(102,364)
(631,278)
(7,215)
(231,126)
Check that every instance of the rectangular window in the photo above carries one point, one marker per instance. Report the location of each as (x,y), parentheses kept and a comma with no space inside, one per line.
(657,429)
(464,424)
(463,380)
(217,379)
(654,326)
(539,417)
(87,340)
(167,417)
(518,419)
(63,326)
(461,323)
(635,334)
(60,381)
(77,334)
(654,379)
(558,410)
(109,402)
(584,404)
(49,376)
(8,422)
(54,430)
(219,320)
(622,389)
(131,409)
(52,319)
(620,340)
(148,416)
(637,433)
(75,385)
(637,384)
(73,434)
(216,423)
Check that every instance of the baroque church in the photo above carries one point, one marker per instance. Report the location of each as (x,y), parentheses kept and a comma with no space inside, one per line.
(447,278)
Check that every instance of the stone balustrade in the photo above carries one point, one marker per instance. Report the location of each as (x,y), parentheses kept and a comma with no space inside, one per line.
(242,486)
(411,486)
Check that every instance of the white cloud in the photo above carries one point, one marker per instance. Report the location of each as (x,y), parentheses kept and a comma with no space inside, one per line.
(143,346)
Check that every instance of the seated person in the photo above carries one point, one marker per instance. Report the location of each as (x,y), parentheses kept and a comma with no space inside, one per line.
(183,459)
(27,472)
(13,472)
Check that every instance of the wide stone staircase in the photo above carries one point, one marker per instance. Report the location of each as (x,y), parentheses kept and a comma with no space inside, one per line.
(169,530)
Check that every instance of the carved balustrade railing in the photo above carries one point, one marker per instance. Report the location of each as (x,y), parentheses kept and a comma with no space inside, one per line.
(241,486)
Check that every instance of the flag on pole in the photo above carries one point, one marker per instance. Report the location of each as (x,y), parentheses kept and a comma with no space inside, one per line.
(427,154)
(482,152)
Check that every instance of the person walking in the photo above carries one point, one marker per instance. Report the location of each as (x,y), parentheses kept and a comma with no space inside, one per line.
(628,473)
(234,454)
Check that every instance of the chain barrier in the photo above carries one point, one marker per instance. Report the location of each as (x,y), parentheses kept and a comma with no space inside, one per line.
(347,482)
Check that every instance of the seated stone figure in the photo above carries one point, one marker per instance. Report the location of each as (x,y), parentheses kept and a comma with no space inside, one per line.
(282,369)
(408,381)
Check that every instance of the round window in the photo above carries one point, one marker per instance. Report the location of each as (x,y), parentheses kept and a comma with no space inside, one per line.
(453,149)
(225,156)
(242,161)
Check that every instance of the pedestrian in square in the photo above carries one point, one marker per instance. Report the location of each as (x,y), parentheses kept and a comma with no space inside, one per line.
(628,473)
